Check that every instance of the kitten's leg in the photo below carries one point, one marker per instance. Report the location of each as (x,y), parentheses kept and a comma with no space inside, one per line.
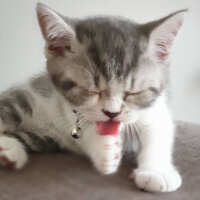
(12,152)
(156,171)
(14,146)
(12,110)
(19,132)
(104,151)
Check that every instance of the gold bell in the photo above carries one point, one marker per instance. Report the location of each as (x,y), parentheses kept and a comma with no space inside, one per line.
(76,131)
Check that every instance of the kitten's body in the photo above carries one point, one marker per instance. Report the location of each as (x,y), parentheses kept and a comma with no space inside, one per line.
(39,116)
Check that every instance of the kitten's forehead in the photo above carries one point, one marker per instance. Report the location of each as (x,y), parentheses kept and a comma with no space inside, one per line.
(112,85)
(111,43)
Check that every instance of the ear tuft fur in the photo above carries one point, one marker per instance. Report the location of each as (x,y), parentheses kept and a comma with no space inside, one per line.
(163,34)
(58,34)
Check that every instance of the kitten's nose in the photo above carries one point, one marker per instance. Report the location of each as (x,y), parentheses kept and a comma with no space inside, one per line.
(111,114)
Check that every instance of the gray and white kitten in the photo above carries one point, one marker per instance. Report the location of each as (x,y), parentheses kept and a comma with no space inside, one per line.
(104,68)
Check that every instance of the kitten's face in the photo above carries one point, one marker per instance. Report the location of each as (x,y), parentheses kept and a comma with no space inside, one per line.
(107,68)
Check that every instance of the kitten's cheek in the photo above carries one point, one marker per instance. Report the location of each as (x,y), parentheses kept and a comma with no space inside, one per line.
(128,119)
(133,118)
(93,100)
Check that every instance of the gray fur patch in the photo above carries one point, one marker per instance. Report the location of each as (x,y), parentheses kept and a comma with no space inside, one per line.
(8,113)
(154,90)
(13,103)
(56,79)
(112,43)
(21,98)
(77,96)
(42,85)
(67,85)
(74,93)
(44,144)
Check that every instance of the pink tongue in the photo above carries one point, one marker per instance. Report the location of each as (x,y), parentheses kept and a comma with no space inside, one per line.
(107,128)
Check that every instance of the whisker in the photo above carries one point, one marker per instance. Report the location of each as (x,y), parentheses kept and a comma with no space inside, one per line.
(138,133)
(96,114)
(129,134)
(69,120)
(142,126)
(132,133)
(89,73)
(126,133)
(89,62)
(67,125)
(66,117)
(82,123)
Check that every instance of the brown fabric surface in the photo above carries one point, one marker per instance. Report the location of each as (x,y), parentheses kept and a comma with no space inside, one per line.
(66,176)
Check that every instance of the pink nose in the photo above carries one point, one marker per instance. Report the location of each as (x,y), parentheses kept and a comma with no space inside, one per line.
(110,114)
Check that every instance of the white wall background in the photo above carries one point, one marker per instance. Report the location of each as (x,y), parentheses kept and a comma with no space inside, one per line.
(21,44)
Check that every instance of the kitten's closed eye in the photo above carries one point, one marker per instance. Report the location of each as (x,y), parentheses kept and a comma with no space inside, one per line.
(152,89)
(143,98)
(127,93)
(92,92)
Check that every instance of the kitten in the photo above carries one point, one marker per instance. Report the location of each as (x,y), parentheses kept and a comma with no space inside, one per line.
(105,68)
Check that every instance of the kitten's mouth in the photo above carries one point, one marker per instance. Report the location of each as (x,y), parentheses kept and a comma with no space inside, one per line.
(107,127)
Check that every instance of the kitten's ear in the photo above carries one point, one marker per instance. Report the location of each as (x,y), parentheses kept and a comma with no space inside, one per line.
(163,33)
(59,35)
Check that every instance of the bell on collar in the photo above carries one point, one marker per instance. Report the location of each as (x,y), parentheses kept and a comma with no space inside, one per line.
(76,132)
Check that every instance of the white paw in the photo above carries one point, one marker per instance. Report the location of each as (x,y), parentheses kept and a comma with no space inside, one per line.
(155,181)
(12,153)
(107,155)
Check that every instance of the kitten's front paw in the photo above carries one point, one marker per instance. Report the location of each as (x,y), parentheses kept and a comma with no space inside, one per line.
(155,181)
(107,157)
(12,153)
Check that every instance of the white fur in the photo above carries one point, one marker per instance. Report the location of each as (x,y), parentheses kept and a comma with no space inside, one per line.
(104,151)
(13,150)
(165,33)
(156,180)
(156,171)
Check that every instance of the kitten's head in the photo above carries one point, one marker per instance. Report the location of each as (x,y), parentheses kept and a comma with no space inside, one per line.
(108,67)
